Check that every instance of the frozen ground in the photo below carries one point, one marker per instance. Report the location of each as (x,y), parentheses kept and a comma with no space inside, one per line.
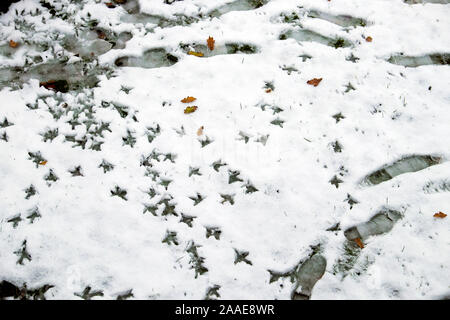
(274,188)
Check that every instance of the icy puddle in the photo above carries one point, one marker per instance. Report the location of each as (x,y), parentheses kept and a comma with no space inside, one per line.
(238,5)
(380,223)
(72,76)
(202,50)
(402,166)
(153,58)
(312,36)
(412,62)
(340,20)
(163,22)
(308,274)
(304,275)
(349,261)
(159,57)
(95,42)
(136,16)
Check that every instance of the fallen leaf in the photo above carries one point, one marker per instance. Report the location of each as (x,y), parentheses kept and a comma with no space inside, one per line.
(268,90)
(13,44)
(101,34)
(200,131)
(43,163)
(188,99)
(56,85)
(369,39)
(314,82)
(359,243)
(210,43)
(194,53)
(190,109)
(440,215)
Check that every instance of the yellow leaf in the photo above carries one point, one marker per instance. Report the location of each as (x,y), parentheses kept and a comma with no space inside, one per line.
(190,109)
(43,163)
(188,99)
(194,53)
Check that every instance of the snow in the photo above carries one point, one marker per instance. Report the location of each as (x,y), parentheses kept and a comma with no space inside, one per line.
(87,237)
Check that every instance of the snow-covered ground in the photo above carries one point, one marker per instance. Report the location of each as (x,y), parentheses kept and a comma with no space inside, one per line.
(109,189)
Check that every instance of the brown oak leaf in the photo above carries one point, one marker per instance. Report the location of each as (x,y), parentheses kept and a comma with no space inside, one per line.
(314,82)
(13,44)
(210,42)
(359,243)
(440,215)
(188,99)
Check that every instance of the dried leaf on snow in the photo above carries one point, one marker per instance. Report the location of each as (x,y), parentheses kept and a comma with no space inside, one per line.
(188,99)
(210,42)
(13,44)
(200,131)
(359,243)
(314,82)
(190,109)
(194,53)
(440,215)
